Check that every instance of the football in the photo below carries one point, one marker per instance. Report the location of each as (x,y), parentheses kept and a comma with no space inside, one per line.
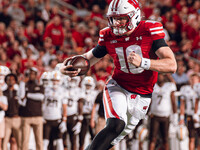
(79,63)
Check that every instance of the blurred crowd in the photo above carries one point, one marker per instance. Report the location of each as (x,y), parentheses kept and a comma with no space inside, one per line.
(42,33)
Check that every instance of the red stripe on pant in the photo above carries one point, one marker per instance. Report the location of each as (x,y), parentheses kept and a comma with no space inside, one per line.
(110,103)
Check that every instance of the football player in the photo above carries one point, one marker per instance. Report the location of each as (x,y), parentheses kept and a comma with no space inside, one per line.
(32,96)
(197,106)
(88,97)
(54,112)
(160,110)
(139,51)
(73,116)
(189,98)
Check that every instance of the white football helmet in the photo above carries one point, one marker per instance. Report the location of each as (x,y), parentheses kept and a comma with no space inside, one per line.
(142,133)
(182,132)
(123,8)
(56,79)
(57,68)
(3,72)
(45,79)
(88,83)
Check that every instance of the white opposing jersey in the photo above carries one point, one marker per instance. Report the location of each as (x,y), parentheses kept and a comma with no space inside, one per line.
(89,99)
(197,89)
(72,100)
(189,95)
(52,106)
(161,100)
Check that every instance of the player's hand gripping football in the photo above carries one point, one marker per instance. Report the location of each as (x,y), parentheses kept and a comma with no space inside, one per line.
(76,65)
(65,69)
(134,59)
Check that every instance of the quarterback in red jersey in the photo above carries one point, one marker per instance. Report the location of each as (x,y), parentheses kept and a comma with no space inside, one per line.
(139,52)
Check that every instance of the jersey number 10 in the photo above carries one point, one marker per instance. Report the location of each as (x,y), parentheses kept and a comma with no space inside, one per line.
(122,56)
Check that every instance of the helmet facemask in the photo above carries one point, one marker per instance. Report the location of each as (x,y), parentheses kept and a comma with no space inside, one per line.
(45,82)
(88,84)
(56,83)
(122,24)
(45,79)
(88,88)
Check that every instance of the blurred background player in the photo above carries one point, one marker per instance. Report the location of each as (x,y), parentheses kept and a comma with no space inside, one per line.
(12,119)
(54,112)
(187,107)
(31,111)
(88,97)
(161,108)
(73,113)
(196,115)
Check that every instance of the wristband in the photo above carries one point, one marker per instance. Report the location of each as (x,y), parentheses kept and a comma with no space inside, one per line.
(64,118)
(145,63)
(176,115)
(182,117)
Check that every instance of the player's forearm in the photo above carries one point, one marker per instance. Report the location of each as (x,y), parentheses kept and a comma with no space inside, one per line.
(93,60)
(36,96)
(165,65)
(3,106)
(196,105)
(93,111)
(64,112)
(173,101)
(182,107)
(80,107)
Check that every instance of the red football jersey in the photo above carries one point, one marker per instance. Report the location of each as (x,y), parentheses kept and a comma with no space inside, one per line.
(131,78)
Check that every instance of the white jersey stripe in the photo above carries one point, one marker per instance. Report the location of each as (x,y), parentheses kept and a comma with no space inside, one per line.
(156,32)
(156,28)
